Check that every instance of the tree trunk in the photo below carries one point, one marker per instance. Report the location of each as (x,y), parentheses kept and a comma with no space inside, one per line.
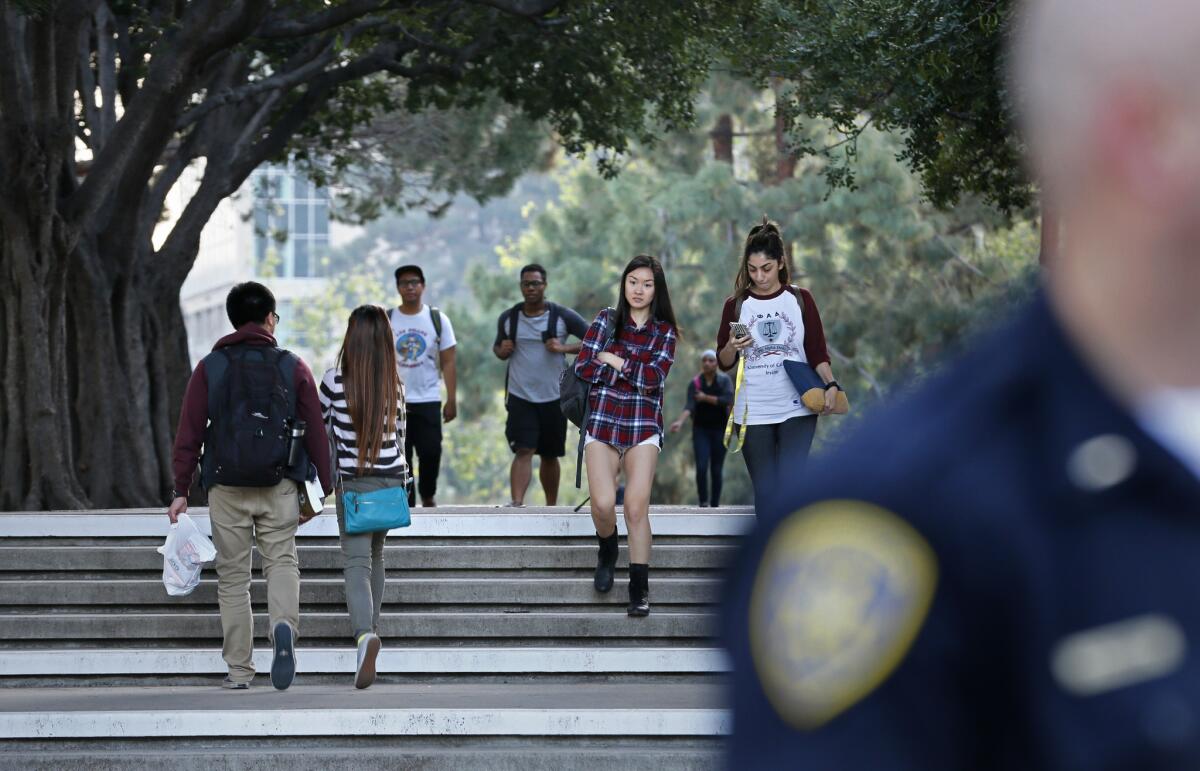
(35,423)
(722,139)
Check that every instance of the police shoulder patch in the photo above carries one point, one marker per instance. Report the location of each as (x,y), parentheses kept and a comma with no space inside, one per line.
(841,592)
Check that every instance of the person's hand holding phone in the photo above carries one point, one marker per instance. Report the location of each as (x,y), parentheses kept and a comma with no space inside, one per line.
(739,336)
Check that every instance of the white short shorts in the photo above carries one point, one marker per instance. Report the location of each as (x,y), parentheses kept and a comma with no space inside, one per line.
(655,440)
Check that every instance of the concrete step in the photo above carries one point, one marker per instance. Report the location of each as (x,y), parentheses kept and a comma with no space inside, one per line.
(566,623)
(448,521)
(445,710)
(494,753)
(81,662)
(410,556)
(331,591)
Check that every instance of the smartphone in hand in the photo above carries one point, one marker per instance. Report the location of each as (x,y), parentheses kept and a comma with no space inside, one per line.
(738,329)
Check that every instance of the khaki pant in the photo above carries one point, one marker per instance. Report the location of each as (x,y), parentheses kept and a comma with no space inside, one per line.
(240,517)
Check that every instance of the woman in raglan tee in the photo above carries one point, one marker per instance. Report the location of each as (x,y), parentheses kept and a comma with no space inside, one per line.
(784,324)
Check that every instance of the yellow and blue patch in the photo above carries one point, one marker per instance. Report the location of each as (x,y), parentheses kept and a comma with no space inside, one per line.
(840,594)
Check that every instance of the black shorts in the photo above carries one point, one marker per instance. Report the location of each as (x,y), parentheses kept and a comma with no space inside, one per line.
(537,426)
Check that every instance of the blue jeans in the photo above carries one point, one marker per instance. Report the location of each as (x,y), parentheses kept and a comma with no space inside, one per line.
(709,447)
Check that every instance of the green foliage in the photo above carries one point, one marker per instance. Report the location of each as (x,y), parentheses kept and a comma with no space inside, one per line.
(930,70)
(399,160)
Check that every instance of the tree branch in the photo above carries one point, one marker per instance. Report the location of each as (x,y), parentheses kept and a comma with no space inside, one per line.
(146,125)
(277,26)
(526,8)
(281,82)
(15,89)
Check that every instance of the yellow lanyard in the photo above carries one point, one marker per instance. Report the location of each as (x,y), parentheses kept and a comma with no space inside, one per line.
(741,434)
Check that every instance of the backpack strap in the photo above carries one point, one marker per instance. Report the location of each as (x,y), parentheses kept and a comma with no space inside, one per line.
(551,323)
(216,364)
(513,319)
(287,363)
(795,290)
(610,329)
(435,316)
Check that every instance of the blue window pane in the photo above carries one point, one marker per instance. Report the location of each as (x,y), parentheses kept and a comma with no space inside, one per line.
(300,226)
(320,215)
(303,188)
(300,258)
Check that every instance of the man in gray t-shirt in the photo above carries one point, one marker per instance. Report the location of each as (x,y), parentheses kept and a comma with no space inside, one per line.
(536,356)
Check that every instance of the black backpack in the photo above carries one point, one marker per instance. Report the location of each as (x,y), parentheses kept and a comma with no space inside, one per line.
(251,405)
(574,393)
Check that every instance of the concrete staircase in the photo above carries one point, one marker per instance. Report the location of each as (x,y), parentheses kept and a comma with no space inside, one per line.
(497,651)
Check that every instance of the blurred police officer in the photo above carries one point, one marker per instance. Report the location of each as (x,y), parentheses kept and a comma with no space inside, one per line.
(1010,580)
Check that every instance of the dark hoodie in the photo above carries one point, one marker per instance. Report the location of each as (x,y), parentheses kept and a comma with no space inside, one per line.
(194,417)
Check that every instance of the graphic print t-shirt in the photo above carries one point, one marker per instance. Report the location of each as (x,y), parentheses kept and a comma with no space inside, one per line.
(415,355)
(777,327)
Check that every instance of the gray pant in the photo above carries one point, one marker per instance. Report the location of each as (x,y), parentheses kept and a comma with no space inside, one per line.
(776,452)
(364,569)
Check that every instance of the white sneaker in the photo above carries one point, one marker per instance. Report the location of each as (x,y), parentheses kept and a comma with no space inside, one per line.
(368,651)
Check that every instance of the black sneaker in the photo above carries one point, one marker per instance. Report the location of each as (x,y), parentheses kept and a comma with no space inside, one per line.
(234,685)
(283,663)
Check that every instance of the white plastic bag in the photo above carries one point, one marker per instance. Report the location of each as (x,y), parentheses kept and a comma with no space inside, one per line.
(184,553)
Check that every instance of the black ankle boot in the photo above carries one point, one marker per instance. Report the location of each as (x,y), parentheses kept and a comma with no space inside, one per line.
(639,590)
(606,563)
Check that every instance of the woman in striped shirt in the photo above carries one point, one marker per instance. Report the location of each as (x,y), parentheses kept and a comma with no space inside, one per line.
(362,402)
(627,360)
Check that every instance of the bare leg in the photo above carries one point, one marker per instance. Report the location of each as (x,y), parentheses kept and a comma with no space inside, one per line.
(520,474)
(640,465)
(548,473)
(602,463)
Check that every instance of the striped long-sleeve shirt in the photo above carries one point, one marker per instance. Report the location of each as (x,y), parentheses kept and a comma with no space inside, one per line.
(335,412)
(627,403)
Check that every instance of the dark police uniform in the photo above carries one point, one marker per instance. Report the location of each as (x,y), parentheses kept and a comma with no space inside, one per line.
(1000,572)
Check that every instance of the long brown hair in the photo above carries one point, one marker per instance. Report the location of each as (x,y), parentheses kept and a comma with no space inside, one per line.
(765,238)
(370,381)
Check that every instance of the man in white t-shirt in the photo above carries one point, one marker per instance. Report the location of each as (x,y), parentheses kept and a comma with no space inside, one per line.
(425,347)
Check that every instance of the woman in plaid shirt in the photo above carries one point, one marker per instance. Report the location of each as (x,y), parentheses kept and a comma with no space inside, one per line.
(628,373)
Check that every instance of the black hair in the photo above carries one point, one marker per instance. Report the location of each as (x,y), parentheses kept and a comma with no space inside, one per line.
(533,267)
(249,302)
(410,269)
(660,306)
(764,238)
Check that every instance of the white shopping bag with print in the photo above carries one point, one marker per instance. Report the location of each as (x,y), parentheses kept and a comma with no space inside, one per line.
(184,554)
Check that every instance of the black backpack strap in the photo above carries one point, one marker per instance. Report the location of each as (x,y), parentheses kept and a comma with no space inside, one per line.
(610,328)
(435,316)
(551,323)
(216,364)
(512,318)
(287,362)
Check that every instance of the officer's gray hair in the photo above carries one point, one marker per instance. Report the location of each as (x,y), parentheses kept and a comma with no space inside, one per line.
(1067,56)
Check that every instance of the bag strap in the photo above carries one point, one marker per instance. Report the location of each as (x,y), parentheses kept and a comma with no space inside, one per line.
(741,434)
(610,330)
(551,323)
(337,469)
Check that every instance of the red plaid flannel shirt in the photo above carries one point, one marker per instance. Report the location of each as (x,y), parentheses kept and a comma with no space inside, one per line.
(626,404)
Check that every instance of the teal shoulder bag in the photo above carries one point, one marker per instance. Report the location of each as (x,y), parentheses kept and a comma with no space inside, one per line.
(375,511)
(369,512)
